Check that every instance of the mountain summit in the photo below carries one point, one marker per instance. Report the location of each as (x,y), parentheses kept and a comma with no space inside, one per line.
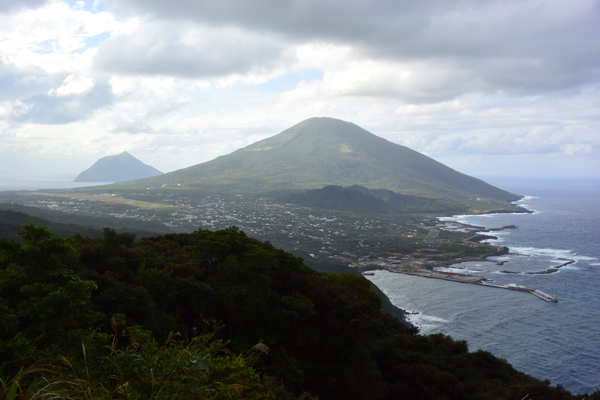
(319,152)
(117,168)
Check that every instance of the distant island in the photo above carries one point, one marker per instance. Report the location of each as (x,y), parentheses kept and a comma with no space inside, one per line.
(117,168)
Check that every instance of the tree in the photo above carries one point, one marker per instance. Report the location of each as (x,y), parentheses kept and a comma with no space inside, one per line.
(43,302)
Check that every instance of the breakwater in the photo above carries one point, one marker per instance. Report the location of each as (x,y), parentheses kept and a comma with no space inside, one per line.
(545,272)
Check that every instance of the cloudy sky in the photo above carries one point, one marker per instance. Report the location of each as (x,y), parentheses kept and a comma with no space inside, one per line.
(496,87)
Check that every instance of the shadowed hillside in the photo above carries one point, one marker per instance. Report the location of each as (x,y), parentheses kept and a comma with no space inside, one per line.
(362,200)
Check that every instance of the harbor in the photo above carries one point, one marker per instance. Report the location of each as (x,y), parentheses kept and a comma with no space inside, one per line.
(462,278)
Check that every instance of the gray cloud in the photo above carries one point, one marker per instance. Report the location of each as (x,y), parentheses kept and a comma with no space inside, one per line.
(307,19)
(170,48)
(13,5)
(46,109)
(517,46)
(16,82)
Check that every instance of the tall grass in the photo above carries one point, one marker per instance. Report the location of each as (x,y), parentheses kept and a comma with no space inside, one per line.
(201,368)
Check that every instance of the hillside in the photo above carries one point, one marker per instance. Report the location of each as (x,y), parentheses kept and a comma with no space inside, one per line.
(319,152)
(360,199)
(117,168)
(338,198)
(108,304)
(11,223)
(67,224)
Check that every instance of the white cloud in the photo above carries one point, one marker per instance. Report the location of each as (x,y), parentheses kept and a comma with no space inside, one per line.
(54,37)
(415,82)
(149,97)
(474,84)
(74,84)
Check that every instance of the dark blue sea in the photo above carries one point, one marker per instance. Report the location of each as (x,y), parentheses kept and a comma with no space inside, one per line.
(555,341)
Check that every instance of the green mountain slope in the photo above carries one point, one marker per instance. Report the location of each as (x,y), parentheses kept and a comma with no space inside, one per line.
(338,198)
(320,152)
(117,168)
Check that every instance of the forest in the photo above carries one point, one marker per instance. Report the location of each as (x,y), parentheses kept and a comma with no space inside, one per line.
(217,315)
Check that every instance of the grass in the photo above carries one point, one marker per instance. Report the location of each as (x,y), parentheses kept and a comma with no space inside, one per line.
(112,199)
(345,148)
(198,368)
(262,148)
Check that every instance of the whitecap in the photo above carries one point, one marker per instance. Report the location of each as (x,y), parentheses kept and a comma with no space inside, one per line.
(496,233)
(526,197)
(431,318)
(454,270)
(426,323)
(534,251)
(570,267)
(557,255)
(444,219)
(494,241)
(585,258)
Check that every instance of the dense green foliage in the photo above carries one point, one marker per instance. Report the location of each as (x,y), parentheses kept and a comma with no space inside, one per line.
(326,333)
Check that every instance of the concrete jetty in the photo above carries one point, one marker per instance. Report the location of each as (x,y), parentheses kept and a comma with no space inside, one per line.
(535,292)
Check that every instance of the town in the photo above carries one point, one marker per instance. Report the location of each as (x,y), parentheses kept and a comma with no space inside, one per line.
(402,242)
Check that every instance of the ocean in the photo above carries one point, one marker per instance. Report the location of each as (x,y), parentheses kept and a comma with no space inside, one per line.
(43,183)
(559,341)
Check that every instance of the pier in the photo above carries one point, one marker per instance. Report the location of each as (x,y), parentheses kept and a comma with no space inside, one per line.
(535,292)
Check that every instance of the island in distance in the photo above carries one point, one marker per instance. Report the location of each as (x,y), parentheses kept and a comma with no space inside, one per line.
(117,168)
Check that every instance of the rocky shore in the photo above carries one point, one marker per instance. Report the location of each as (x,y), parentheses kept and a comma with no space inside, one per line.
(545,272)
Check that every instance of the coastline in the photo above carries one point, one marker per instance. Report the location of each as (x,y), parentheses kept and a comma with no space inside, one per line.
(432,271)
(480,236)
(536,337)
